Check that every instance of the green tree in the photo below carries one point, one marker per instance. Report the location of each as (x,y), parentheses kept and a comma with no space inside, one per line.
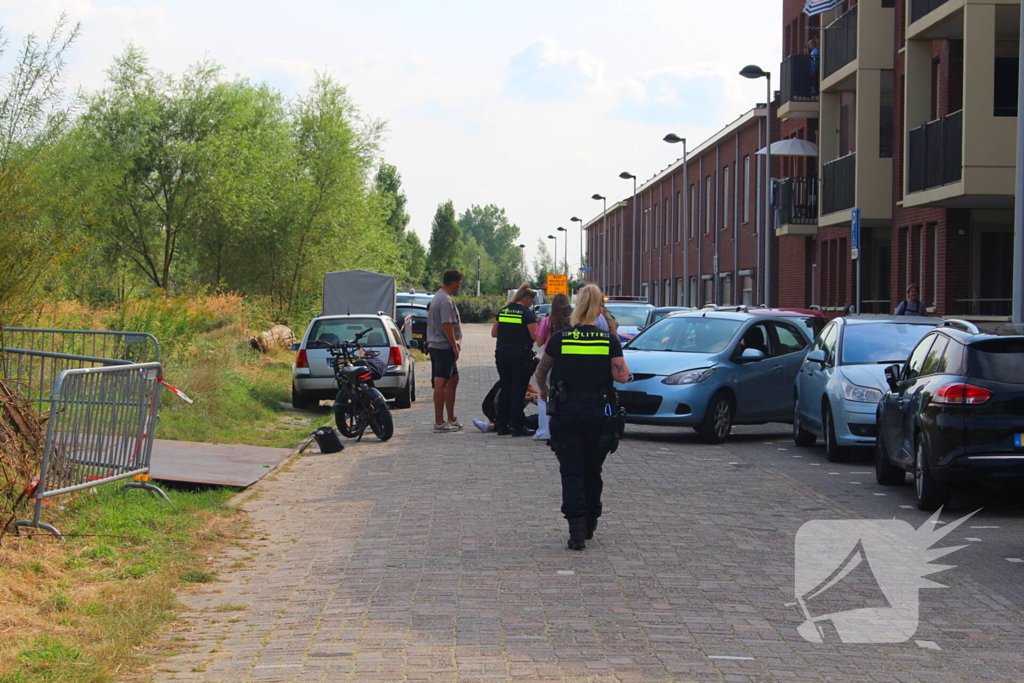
(34,118)
(388,183)
(491,229)
(445,241)
(544,263)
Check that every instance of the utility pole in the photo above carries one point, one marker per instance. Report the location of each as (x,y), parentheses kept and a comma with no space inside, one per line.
(478,275)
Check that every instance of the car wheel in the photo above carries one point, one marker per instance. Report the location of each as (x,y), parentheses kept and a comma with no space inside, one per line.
(404,397)
(717,422)
(299,400)
(886,473)
(931,494)
(801,437)
(833,451)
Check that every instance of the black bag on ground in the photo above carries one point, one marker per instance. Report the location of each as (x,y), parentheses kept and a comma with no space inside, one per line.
(328,440)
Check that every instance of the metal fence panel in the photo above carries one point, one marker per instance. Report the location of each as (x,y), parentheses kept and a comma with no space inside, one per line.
(100,429)
(33,358)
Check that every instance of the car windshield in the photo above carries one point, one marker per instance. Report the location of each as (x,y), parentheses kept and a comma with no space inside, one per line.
(333,330)
(629,315)
(881,342)
(421,299)
(997,359)
(687,335)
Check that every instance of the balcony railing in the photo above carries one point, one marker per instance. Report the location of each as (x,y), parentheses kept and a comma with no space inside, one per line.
(800,79)
(920,8)
(797,201)
(935,153)
(838,179)
(840,42)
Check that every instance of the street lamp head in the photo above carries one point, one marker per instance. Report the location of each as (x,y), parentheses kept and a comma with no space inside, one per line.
(578,220)
(561,229)
(552,237)
(753,71)
(673,138)
(521,246)
(626,175)
(598,197)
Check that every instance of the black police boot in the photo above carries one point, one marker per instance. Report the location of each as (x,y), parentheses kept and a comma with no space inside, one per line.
(523,431)
(577,533)
(502,431)
(591,527)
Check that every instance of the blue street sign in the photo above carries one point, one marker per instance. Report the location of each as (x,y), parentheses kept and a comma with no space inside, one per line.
(855,234)
(586,268)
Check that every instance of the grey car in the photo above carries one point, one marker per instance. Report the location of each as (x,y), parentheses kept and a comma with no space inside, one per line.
(313,375)
(842,378)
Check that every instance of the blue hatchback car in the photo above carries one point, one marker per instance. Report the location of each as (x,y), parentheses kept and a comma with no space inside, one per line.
(712,369)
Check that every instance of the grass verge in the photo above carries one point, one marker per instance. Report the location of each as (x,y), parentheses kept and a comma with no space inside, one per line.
(76,611)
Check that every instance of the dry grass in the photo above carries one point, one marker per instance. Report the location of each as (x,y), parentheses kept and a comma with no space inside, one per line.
(78,611)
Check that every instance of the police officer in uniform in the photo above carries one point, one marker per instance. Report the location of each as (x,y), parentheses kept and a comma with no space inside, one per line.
(516,331)
(584,361)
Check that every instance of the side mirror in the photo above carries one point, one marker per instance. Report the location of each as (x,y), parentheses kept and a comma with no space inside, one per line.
(413,343)
(751,355)
(296,346)
(892,377)
(818,356)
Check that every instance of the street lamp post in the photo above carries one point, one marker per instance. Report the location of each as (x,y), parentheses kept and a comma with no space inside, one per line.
(522,259)
(753,71)
(626,175)
(583,273)
(672,138)
(555,238)
(604,228)
(565,248)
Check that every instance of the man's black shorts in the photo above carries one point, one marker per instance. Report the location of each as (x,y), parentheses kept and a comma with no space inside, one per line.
(442,363)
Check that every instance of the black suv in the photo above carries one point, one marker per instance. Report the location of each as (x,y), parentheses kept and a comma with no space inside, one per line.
(954,411)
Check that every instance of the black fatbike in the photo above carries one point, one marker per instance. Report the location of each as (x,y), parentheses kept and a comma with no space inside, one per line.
(359,404)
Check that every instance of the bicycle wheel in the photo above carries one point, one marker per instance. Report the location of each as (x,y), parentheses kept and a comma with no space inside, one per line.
(349,420)
(382,424)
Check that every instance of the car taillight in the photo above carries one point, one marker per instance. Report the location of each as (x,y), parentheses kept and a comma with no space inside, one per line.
(395,356)
(961,394)
(301,360)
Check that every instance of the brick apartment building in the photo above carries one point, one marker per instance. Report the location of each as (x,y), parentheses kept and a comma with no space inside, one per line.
(912,104)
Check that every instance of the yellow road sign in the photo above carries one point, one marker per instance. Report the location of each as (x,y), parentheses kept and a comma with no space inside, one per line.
(557,284)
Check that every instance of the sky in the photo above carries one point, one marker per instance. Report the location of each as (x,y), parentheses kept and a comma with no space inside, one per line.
(532,106)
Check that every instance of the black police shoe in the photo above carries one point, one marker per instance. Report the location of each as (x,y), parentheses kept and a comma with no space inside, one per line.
(525,431)
(502,431)
(577,533)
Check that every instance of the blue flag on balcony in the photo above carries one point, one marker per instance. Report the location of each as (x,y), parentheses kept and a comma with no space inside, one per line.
(812,7)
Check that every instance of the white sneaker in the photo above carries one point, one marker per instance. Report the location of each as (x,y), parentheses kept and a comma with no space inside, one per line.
(455,425)
(443,428)
(541,436)
(480,424)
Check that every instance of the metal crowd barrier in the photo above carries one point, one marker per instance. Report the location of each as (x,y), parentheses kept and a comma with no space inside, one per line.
(32,358)
(100,430)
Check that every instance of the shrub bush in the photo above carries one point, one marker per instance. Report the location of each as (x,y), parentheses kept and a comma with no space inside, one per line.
(479,309)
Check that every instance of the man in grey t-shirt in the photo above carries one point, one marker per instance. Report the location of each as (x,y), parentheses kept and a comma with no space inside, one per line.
(444,338)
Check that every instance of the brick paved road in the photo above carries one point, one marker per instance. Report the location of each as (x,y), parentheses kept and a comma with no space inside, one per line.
(442,558)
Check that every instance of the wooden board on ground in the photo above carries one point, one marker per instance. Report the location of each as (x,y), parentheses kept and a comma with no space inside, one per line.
(209,463)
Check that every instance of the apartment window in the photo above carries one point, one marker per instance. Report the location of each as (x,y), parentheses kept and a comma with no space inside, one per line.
(726,197)
(709,290)
(664,222)
(1005,103)
(727,290)
(680,293)
(653,237)
(707,205)
(746,189)
(885,115)
(747,285)
(693,206)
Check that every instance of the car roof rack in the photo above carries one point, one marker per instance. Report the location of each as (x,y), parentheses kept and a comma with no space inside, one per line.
(965,325)
(1009,328)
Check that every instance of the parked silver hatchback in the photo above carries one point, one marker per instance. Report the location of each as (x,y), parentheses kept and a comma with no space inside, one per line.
(313,374)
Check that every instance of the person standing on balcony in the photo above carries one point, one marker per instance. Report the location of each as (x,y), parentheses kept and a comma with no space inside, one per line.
(812,50)
(912,305)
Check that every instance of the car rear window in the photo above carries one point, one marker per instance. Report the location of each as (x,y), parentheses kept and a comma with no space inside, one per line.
(687,335)
(1001,360)
(333,330)
(403,312)
(812,325)
(881,343)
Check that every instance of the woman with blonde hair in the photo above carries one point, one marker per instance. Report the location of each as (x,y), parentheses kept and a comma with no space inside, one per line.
(516,331)
(584,361)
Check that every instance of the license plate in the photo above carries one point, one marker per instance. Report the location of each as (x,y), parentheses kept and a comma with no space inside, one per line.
(1018,440)
(418,336)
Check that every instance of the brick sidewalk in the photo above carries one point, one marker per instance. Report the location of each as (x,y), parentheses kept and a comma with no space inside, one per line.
(441,557)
